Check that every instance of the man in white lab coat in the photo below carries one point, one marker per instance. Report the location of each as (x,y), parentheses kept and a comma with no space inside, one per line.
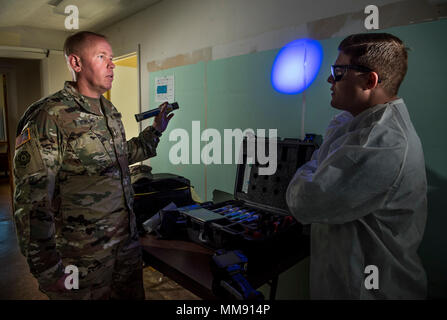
(364,190)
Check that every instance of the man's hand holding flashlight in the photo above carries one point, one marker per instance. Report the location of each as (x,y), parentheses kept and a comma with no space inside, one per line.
(162,119)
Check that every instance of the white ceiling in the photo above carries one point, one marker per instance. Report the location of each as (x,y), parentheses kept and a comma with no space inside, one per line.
(49,14)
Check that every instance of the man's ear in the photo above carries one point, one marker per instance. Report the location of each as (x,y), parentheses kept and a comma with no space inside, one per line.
(372,80)
(75,62)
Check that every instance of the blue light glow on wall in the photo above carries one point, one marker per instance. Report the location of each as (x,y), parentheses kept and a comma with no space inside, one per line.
(296,66)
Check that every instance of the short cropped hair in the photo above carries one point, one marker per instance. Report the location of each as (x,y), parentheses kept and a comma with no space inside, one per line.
(76,42)
(382,53)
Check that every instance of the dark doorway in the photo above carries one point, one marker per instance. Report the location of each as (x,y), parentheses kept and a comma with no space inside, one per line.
(5,152)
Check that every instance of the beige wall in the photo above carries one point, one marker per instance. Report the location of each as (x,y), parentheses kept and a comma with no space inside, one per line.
(54,72)
(124,95)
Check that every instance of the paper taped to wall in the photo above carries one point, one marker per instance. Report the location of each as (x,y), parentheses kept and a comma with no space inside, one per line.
(164,89)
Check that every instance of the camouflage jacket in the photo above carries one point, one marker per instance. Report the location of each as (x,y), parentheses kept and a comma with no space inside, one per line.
(73,194)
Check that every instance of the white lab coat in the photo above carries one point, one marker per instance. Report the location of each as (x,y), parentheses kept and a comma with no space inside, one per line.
(364,192)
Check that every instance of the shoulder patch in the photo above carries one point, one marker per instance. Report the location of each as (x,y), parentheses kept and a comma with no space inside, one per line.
(23,138)
(23,158)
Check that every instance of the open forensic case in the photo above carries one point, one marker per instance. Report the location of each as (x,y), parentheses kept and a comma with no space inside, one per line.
(258,220)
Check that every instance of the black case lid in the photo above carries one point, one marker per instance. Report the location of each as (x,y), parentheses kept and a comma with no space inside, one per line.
(270,190)
(162,182)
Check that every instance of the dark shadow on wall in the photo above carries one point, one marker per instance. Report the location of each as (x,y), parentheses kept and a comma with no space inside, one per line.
(433,247)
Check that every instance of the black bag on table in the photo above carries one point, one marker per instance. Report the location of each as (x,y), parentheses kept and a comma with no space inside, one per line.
(155,191)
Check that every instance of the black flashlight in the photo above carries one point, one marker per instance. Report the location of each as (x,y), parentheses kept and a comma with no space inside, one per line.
(154,112)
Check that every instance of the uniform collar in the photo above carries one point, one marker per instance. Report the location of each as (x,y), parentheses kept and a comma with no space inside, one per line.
(365,113)
(70,87)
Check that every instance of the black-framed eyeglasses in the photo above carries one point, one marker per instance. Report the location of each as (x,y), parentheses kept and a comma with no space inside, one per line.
(338,70)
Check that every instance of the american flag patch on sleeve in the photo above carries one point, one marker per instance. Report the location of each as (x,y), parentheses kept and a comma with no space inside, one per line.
(23,138)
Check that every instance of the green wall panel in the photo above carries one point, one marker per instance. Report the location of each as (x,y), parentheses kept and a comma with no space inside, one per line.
(189,92)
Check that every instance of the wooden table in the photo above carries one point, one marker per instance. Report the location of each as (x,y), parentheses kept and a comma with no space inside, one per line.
(188,264)
(185,262)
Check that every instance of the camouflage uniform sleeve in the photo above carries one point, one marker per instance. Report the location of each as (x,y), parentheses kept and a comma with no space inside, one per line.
(144,146)
(36,164)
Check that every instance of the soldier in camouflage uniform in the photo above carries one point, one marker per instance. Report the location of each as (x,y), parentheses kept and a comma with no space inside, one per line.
(73,198)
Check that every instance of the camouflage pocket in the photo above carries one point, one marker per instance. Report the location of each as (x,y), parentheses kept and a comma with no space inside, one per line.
(89,154)
(27,159)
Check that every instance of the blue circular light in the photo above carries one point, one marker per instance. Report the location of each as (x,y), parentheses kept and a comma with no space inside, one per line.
(296,66)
